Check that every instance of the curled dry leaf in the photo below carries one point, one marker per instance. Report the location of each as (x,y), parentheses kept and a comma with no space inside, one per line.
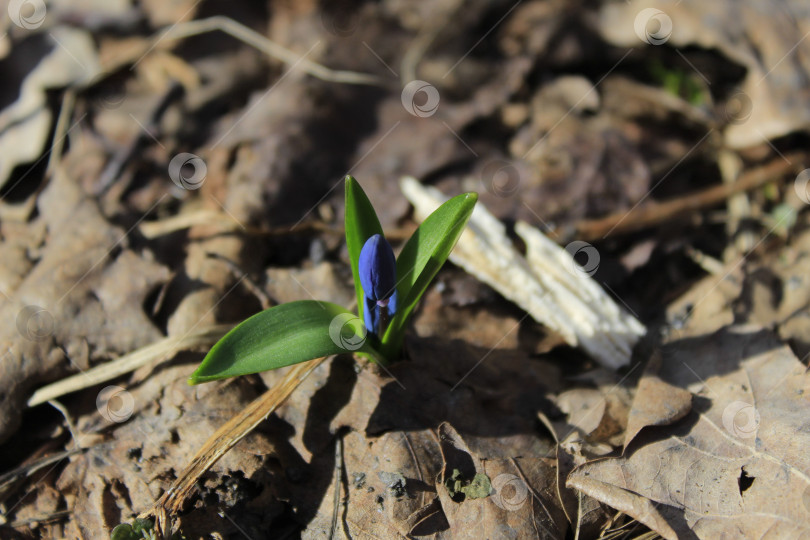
(736,464)
(71,61)
(595,416)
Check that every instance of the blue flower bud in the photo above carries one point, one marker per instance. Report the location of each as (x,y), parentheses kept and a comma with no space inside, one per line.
(377,269)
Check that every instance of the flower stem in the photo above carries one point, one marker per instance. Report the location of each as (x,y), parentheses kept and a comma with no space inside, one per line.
(384,319)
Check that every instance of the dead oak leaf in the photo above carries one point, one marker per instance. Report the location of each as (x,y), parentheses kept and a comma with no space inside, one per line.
(736,464)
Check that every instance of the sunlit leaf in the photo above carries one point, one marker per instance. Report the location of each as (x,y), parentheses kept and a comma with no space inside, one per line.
(361,224)
(284,335)
(421,259)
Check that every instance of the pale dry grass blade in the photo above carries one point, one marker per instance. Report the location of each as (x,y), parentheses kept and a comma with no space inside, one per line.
(164,348)
(270,48)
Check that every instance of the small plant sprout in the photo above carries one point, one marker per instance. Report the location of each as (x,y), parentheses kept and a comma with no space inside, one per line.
(387,288)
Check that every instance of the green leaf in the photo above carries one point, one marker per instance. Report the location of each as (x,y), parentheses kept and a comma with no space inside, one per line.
(361,224)
(421,259)
(284,335)
(140,529)
(124,532)
(478,488)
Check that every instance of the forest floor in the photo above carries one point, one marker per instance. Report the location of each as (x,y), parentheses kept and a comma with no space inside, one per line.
(168,169)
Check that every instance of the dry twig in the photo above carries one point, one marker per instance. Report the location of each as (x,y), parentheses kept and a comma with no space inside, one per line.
(657,213)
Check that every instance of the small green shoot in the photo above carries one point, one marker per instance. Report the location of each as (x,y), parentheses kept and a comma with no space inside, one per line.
(679,83)
(388,291)
(477,488)
(140,529)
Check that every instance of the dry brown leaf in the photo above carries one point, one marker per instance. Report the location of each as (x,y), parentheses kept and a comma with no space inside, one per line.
(490,393)
(218,444)
(126,465)
(706,307)
(489,326)
(737,463)
(388,483)
(151,355)
(585,514)
(394,488)
(596,416)
(657,402)
(573,159)
(71,61)
(642,509)
(81,300)
(585,408)
(417,147)
(522,504)
(773,99)
(321,282)
(772,291)
(392,418)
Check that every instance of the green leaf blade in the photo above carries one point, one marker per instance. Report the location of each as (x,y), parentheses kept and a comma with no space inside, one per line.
(422,258)
(361,223)
(281,336)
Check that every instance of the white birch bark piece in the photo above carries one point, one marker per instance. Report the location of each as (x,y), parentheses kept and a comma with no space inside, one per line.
(547,283)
